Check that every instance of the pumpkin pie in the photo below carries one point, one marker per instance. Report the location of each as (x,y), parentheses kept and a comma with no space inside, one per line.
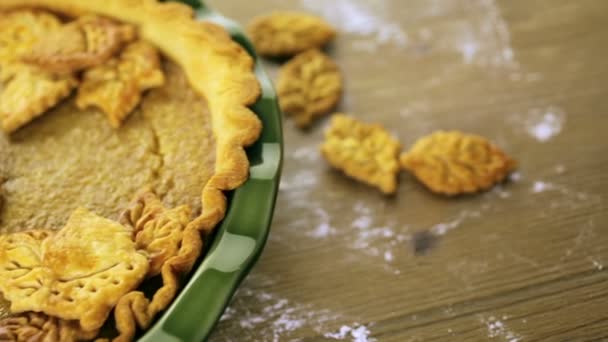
(123,126)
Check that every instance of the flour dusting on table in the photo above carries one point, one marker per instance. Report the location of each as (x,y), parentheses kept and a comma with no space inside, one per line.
(361,18)
(497,328)
(484,40)
(545,125)
(356,333)
(259,315)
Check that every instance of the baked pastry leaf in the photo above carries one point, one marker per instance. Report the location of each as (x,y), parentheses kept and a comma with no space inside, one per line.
(309,86)
(116,86)
(85,42)
(289,33)
(453,163)
(76,273)
(28,92)
(158,231)
(20,30)
(34,326)
(365,152)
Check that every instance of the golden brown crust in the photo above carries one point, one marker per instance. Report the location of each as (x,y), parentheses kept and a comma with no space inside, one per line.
(173,244)
(33,326)
(222,72)
(309,86)
(116,86)
(289,33)
(42,90)
(19,30)
(77,273)
(453,163)
(365,152)
(83,43)
(158,231)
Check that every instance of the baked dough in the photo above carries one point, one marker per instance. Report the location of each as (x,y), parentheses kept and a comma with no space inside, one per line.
(116,86)
(365,152)
(453,163)
(77,273)
(309,86)
(289,33)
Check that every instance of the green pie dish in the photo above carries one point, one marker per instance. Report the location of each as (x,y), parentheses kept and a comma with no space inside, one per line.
(241,236)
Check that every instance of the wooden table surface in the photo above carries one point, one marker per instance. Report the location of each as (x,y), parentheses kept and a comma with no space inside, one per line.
(526,261)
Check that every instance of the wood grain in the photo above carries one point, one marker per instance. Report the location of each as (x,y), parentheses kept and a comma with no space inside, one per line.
(524,262)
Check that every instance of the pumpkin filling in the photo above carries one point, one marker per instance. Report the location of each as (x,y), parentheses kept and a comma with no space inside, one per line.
(70,158)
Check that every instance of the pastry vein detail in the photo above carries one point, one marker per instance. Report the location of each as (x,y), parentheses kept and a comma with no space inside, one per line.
(289,33)
(453,163)
(365,152)
(76,273)
(309,86)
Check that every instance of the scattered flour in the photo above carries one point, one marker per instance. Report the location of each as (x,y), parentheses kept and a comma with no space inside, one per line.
(362,222)
(388,256)
(308,153)
(361,18)
(469,50)
(384,242)
(515,177)
(323,228)
(540,186)
(598,265)
(497,328)
(263,316)
(444,227)
(484,40)
(545,124)
(357,333)
(300,182)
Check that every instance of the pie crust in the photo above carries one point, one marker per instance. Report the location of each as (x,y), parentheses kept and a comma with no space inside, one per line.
(221,71)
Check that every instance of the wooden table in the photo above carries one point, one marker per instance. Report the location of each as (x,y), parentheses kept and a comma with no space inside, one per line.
(526,261)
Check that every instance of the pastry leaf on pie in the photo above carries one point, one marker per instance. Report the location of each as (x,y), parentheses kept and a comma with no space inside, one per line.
(34,326)
(28,92)
(173,243)
(309,86)
(289,33)
(454,163)
(83,43)
(365,152)
(20,30)
(158,231)
(78,273)
(117,85)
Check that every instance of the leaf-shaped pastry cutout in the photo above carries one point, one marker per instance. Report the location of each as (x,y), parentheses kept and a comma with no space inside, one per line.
(158,231)
(77,273)
(152,223)
(454,163)
(309,86)
(365,152)
(21,29)
(34,326)
(86,42)
(28,92)
(117,85)
(289,33)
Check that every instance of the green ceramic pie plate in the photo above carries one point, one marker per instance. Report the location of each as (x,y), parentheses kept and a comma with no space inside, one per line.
(240,238)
